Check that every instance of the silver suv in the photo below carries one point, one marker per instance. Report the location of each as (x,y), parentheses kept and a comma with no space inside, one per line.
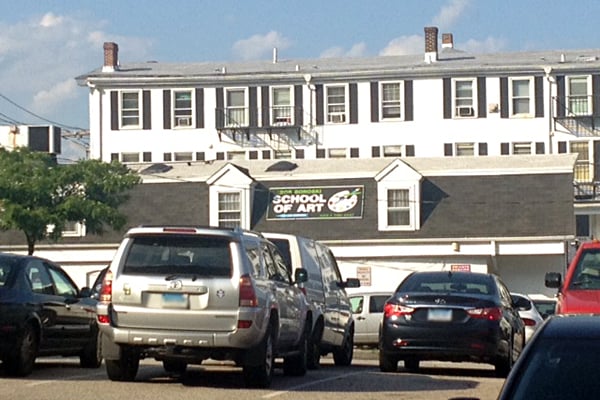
(182,295)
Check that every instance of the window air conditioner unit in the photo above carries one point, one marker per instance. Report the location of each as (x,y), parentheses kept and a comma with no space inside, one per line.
(183,121)
(464,111)
(337,118)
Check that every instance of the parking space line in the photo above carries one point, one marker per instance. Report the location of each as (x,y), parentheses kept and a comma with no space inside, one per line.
(312,383)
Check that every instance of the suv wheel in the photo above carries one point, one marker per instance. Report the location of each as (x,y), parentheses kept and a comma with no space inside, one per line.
(125,368)
(91,355)
(296,365)
(22,361)
(503,365)
(342,356)
(261,374)
(174,368)
(411,364)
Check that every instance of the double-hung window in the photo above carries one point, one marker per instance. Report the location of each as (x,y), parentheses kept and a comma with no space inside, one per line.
(582,170)
(281,107)
(465,149)
(398,207)
(236,112)
(578,89)
(336,104)
(520,94)
(398,198)
(391,100)
(464,97)
(183,104)
(130,109)
(230,213)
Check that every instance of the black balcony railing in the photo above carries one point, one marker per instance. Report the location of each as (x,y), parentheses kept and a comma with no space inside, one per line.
(580,115)
(270,117)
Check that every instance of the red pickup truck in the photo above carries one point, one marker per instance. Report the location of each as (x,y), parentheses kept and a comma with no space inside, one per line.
(579,293)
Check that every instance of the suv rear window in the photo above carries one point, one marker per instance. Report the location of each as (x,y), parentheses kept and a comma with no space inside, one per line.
(178,254)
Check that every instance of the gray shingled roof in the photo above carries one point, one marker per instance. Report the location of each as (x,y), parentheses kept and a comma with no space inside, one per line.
(450,61)
(366,168)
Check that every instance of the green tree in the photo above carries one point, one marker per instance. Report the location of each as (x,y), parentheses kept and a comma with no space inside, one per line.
(37,193)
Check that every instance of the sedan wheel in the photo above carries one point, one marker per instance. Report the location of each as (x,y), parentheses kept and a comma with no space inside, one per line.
(22,361)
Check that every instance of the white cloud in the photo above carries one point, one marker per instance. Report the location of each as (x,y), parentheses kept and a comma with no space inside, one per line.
(257,46)
(450,13)
(40,58)
(489,45)
(403,45)
(357,50)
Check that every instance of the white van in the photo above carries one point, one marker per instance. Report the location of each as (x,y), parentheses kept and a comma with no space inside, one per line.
(367,308)
(333,324)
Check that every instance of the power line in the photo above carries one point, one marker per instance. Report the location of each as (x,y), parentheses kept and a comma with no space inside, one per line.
(38,116)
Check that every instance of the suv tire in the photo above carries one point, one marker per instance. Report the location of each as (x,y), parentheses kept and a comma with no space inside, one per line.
(260,375)
(125,368)
(175,368)
(296,365)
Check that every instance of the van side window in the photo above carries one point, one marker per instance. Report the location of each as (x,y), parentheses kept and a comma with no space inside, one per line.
(282,270)
(331,273)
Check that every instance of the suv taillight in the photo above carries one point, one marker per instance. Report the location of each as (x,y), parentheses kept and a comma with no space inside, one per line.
(106,291)
(491,314)
(247,293)
(396,310)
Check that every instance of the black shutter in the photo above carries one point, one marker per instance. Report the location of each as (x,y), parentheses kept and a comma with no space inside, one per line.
(166,109)
(114,110)
(504,149)
(408,100)
(539,96)
(481,98)
(220,111)
(448,149)
(375,151)
(540,148)
(374,101)
(562,147)
(147,123)
(319,105)
(253,107)
(447,98)
(353,89)
(298,110)
(199,108)
(483,149)
(410,150)
(266,106)
(596,95)
(561,96)
(503,97)
(596,160)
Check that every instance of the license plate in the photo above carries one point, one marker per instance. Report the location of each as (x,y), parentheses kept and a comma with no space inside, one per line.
(174,298)
(439,314)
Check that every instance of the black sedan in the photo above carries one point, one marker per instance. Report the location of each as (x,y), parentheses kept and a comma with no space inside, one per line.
(43,313)
(450,316)
(559,362)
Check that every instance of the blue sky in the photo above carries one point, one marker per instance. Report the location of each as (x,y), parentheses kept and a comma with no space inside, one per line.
(44,45)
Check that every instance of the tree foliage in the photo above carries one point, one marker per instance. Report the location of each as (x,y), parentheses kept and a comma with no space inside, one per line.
(37,193)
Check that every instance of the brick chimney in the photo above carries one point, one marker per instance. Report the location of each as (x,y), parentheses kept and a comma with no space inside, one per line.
(431,44)
(111,57)
(447,41)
